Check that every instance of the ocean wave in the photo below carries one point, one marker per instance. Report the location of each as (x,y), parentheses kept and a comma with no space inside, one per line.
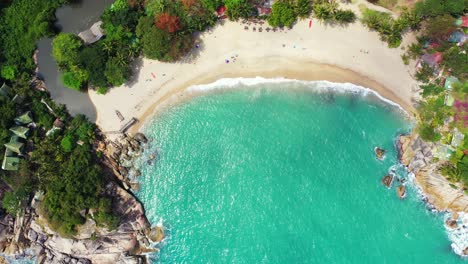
(459,235)
(316,86)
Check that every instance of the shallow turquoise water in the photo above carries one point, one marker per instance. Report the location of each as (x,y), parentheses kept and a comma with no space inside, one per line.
(275,175)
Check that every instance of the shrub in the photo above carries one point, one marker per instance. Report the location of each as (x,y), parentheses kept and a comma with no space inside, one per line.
(72,80)
(428,133)
(345,16)
(67,143)
(8,72)
(65,49)
(282,14)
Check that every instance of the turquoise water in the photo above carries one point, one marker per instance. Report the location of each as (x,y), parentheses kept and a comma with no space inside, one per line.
(275,174)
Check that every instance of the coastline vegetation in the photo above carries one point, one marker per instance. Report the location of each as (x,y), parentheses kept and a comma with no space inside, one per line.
(444,81)
(62,164)
(65,165)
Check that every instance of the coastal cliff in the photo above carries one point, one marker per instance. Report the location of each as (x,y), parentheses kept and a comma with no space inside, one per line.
(417,156)
(28,234)
(441,194)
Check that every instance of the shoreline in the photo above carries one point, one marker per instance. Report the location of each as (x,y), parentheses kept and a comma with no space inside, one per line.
(351,54)
(314,72)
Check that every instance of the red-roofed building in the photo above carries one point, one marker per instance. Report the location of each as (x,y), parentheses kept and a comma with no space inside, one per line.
(264,11)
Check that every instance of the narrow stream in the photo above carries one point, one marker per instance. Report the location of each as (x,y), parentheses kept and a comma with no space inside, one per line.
(72,18)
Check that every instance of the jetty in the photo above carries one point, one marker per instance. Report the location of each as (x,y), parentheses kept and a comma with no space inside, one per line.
(129,124)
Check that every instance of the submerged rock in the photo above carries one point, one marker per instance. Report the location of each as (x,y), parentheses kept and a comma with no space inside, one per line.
(379,153)
(387,181)
(401,191)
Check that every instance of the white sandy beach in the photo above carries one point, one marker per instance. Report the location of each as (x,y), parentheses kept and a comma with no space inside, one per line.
(339,54)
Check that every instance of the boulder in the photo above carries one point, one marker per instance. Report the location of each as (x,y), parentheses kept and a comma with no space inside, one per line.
(387,181)
(401,191)
(156,234)
(141,138)
(451,223)
(137,173)
(465,252)
(379,153)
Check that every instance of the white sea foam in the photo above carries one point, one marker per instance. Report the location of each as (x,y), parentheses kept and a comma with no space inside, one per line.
(459,235)
(316,86)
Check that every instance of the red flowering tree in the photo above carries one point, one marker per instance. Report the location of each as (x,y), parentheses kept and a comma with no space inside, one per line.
(166,22)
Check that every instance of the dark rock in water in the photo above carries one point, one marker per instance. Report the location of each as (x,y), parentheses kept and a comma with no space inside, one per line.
(387,181)
(401,191)
(141,138)
(465,251)
(137,173)
(379,153)
(451,223)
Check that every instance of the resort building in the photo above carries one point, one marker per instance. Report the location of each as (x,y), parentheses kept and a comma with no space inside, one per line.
(24,119)
(15,147)
(93,34)
(5,91)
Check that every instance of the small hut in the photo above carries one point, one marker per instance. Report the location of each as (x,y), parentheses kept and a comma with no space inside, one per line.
(14,145)
(93,34)
(433,60)
(20,131)
(10,163)
(450,81)
(462,22)
(24,119)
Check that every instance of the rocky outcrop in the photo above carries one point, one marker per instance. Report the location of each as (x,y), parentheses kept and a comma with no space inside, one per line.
(120,155)
(401,191)
(387,181)
(417,156)
(379,153)
(123,245)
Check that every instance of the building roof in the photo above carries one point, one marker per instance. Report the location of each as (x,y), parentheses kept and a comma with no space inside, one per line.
(432,60)
(457,138)
(5,90)
(20,131)
(16,147)
(264,10)
(24,119)
(450,81)
(10,163)
(456,37)
(462,21)
(449,100)
(93,34)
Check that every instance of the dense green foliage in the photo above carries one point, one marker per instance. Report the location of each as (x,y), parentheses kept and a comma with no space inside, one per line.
(237,9)
(285,12)
(433,8)
(282,14)
(438,118)
(21,25)
(390,30)
(329,11)
(63,165)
